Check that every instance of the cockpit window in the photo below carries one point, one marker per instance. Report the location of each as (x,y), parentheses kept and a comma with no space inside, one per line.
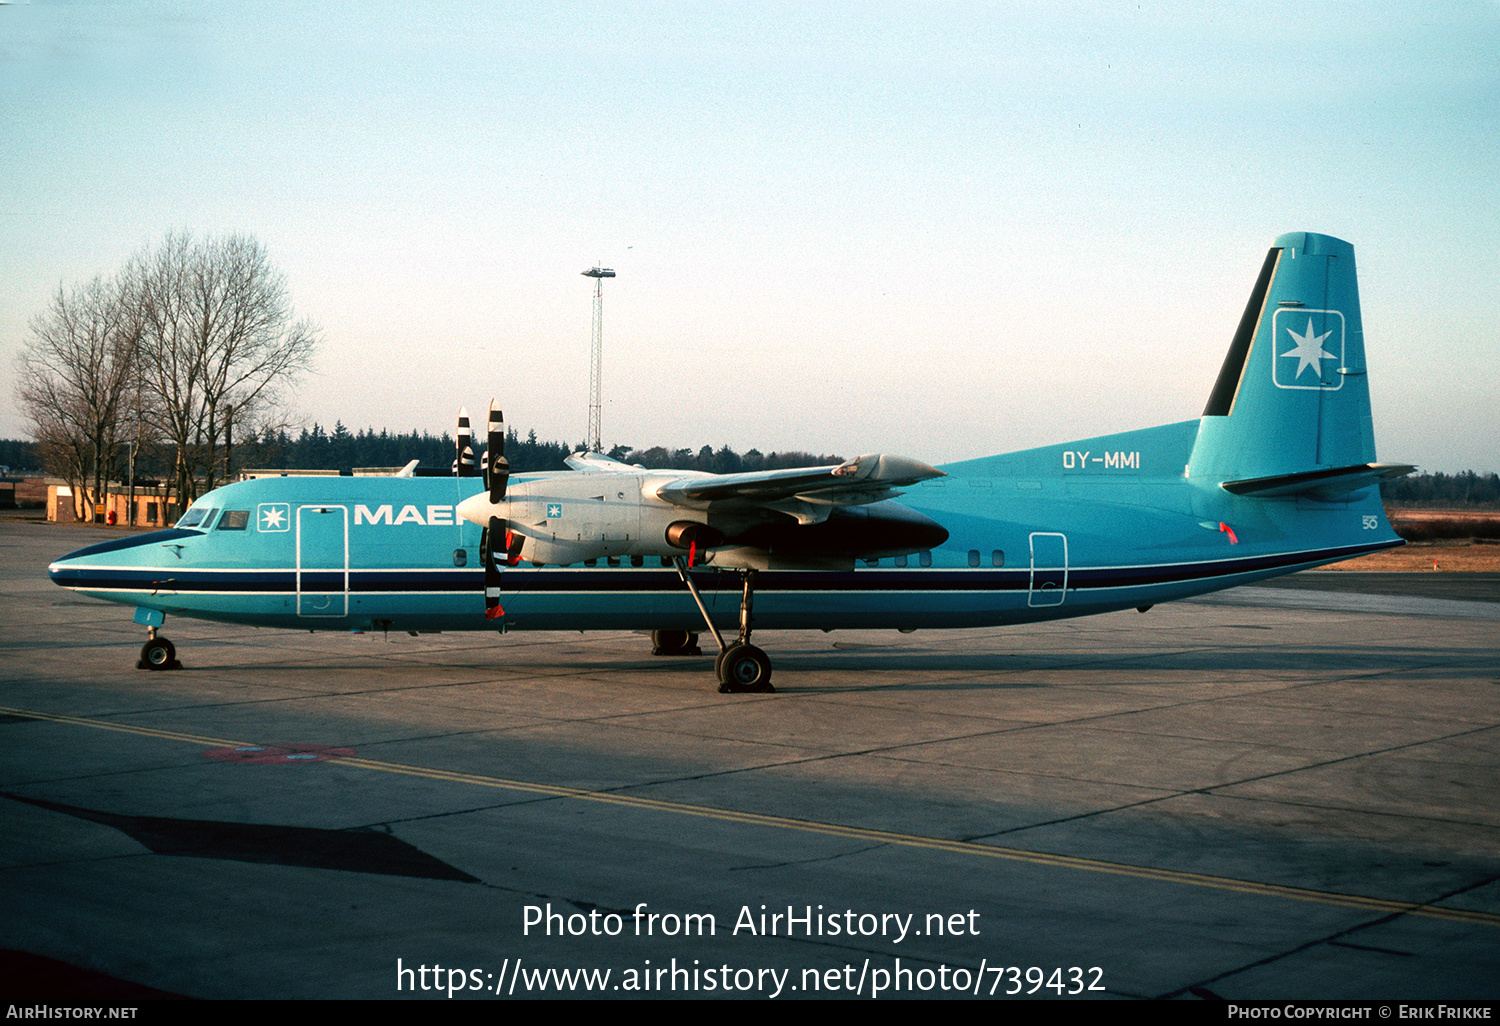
(234,520)
(199,517)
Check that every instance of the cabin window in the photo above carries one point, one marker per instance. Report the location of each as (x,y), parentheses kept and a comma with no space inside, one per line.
(925,558)
(234,520)
(900,560)
(872,562)
(637,560)
(612,560)
(199,517)
(590,562)
(460,557)
(997,558)
(973,557)
(666,561)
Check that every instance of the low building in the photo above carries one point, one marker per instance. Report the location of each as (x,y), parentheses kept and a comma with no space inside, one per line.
(150,510)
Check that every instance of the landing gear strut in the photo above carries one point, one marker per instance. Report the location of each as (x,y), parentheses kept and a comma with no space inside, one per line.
(740,666)
(157,653)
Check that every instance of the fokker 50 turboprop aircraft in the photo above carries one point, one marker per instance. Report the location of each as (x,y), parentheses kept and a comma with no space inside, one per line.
(1278,475)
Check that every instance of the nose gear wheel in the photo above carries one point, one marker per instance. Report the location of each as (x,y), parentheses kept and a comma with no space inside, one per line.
(158,654)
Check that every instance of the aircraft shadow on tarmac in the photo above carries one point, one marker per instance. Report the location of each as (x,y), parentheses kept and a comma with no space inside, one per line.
(358,851)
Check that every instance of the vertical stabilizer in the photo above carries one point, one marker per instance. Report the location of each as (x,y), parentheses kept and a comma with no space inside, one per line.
(1292,396)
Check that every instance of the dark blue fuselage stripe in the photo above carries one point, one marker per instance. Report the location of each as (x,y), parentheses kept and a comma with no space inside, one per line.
(631,580)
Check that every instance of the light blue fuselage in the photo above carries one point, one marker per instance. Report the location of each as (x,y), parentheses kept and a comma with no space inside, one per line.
(1069,530)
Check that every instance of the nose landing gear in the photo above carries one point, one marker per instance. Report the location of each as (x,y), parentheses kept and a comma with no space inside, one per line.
(157,653)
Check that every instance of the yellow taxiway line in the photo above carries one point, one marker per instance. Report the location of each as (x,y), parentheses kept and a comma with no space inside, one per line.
(957,847)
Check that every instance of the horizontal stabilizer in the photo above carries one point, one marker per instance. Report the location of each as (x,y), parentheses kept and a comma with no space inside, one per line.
(1318,484)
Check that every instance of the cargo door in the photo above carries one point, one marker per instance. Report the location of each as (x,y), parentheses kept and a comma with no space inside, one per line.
(1049,569)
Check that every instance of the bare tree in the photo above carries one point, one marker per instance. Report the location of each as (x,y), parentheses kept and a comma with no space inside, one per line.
(218,348)
(74,379)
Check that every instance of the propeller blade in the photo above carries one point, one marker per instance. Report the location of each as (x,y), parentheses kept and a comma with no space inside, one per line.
(463,466)
(498,467)
(497,529)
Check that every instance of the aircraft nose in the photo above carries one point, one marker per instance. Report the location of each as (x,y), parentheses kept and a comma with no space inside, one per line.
(58,568)
(77,566)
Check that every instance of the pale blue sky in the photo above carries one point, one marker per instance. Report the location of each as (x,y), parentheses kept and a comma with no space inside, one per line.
(945,230)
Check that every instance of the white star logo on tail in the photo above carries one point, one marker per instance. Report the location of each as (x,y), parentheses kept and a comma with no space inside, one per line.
(1308,351)
(1317,335)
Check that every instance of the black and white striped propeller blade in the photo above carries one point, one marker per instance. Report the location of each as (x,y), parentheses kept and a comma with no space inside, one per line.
(496,531)
(495,539)
(497,467)
(463,465)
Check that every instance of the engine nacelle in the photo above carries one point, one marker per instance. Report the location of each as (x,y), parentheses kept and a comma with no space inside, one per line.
(690,534)
(569,519)
(857,532)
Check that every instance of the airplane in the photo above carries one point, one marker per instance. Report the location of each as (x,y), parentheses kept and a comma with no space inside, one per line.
(1277,475)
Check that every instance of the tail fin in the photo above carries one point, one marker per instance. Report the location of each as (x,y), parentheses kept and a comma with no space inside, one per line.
(1292,398)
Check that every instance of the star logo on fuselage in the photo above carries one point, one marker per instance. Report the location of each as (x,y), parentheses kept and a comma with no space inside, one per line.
(274,516)
(1309,351)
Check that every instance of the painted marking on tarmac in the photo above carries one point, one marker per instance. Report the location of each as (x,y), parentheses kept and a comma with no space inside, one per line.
(956,847)
(284,754)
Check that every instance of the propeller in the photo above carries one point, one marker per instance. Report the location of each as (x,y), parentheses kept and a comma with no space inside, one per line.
(463,464)
(496,529)
(496,476)
(496,467)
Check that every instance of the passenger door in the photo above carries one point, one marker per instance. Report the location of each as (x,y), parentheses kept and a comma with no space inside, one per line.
(322,561)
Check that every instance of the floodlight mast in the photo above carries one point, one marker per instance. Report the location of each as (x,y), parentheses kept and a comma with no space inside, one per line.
(596,355)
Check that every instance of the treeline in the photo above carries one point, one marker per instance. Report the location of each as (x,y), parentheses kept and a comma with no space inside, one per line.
(340,449)
(317,448)
(20,456)
(1443,490)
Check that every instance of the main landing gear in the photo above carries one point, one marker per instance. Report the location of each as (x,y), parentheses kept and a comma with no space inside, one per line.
(675,643)
(157,653)
(740,666)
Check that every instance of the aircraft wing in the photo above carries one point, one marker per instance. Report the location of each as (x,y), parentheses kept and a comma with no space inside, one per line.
(864,479)
(597,463)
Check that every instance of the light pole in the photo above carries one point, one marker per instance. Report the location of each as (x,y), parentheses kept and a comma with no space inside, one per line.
(596,361)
